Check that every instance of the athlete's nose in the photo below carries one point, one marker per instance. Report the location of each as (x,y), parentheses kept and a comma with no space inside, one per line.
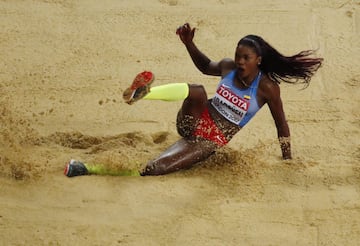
(240,61)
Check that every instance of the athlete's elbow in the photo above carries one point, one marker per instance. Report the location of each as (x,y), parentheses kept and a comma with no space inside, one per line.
(204,68)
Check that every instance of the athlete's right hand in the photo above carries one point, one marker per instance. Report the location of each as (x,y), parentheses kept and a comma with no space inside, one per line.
(186,33)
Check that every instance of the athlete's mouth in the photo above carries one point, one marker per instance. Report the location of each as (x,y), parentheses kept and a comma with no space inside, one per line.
(241,69)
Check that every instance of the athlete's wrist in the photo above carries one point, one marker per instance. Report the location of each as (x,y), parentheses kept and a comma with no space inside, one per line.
(285,145)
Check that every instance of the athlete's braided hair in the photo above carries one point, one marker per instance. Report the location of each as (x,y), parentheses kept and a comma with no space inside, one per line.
(298,68)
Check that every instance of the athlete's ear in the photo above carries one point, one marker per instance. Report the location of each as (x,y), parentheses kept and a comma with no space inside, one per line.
(259,58)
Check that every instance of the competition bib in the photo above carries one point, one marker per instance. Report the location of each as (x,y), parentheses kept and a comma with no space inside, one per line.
(229,105)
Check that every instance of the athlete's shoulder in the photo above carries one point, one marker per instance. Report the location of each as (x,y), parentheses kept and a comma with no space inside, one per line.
(267,83)
(269,88)
(226,66)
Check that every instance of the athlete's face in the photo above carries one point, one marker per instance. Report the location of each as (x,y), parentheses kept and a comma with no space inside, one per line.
(247,61)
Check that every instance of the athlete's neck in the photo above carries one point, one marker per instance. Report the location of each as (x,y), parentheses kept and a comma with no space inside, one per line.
(248,80)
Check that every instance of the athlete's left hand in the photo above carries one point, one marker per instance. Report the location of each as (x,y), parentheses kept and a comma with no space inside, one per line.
(186,33)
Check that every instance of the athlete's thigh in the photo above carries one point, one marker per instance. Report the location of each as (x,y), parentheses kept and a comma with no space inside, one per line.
(191,110)
(196,102)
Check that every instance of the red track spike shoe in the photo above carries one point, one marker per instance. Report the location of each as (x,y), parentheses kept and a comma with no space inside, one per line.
(139,88)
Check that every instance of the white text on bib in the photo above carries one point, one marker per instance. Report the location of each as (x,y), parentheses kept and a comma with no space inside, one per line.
(229,105)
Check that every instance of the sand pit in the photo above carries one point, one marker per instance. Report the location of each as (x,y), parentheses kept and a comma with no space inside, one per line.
(64,65)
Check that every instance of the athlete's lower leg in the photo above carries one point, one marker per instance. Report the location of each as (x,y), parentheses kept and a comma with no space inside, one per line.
(181,155)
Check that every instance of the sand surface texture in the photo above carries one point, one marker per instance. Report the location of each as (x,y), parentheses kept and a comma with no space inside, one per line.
(64,65)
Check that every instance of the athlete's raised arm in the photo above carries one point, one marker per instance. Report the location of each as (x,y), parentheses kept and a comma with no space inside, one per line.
(201,61)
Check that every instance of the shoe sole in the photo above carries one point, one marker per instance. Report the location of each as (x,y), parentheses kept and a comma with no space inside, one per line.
(143,79)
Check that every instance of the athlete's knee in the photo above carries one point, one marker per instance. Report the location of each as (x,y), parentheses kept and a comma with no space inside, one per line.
(153,168)
(195,103)
(197,91)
